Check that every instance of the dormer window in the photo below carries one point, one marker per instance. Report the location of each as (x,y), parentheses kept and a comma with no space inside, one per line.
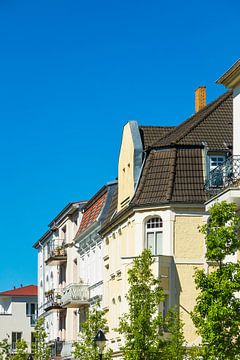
(153,235)
(214,162)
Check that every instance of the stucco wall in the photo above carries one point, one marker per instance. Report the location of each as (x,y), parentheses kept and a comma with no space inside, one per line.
(182,252)
(129,164)
(17,320)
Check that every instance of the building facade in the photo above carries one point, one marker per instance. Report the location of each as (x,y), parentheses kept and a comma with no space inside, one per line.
(18,314)
(158,202)
(57,269)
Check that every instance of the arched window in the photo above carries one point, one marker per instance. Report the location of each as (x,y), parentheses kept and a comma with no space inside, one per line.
(153,235)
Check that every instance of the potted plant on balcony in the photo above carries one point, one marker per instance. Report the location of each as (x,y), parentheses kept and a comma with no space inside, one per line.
(58,298)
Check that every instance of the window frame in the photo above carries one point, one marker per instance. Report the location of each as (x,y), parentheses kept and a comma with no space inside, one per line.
(154,225)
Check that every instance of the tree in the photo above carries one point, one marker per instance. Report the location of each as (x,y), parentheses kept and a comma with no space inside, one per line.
(21,350)
(142,326)
(41,350)
(216,314)
(4,349)
(85,347)
(175,347)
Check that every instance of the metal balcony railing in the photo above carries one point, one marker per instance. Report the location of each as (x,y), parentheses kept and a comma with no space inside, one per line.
(75,295)
(224,176)
(56,252)
(53,299)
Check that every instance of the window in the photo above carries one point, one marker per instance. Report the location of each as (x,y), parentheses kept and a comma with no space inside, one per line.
(31,311)
(15,336)
(215,161)
(216,178)
(154,235)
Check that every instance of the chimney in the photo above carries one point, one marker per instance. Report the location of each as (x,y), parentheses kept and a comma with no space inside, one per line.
(200,98)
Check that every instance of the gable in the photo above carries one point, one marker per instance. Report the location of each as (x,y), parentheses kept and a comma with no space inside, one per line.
(130,162)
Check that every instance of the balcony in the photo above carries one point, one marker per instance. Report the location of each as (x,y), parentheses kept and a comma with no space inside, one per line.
(54,300)
(75,295)
(56,252)
(224,176)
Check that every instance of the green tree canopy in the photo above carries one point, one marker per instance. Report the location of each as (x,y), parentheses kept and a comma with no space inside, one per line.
(216,314)
(142,326)
(85,347)
(41,349)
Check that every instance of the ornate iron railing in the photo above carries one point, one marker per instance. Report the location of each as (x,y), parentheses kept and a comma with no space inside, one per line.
(55,250)
(224,176)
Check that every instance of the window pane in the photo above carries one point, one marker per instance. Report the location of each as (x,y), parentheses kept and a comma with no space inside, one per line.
(154,223)
(158,240)
(150,242)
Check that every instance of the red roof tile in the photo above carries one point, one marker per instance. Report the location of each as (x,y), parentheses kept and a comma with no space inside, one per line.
(30,290)
(92,212)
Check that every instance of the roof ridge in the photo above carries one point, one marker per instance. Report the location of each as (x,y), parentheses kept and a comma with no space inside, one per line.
(203,113)
(157,126)
(208,112)
(95,197)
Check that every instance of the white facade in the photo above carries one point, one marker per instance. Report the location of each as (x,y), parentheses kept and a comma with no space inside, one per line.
(58,269)
(17,318)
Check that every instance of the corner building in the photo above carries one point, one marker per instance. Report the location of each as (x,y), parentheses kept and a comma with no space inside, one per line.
(159,204)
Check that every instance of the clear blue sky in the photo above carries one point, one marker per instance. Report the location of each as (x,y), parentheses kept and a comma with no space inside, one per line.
(72,73)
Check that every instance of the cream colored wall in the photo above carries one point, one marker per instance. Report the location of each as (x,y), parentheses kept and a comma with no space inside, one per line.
(182,243)
(189,250)
(125,168)
(129,164)
(188,242)
(17,320)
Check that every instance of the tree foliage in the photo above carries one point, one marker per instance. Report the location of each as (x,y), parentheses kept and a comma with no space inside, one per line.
(21,350)
(41,350)
(175,347)
(142,326)
(4,349)
(217,311)
(85,347)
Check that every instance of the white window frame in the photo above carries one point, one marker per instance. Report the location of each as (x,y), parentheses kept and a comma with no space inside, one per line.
(215,160)
(154,227)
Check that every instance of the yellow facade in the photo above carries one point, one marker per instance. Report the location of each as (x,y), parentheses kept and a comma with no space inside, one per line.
(176,269)
(182,249)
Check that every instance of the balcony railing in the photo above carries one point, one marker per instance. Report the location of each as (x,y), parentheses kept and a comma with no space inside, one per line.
(54,300)
(56,252)
(75,295)
(56,348)
(224,176)
(67,350)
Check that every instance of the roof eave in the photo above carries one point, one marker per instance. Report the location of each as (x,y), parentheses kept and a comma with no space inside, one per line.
(231,78)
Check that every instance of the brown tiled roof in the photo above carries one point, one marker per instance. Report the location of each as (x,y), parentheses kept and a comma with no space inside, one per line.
(173,175)
(173,170)
(152,134)
(212,125)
